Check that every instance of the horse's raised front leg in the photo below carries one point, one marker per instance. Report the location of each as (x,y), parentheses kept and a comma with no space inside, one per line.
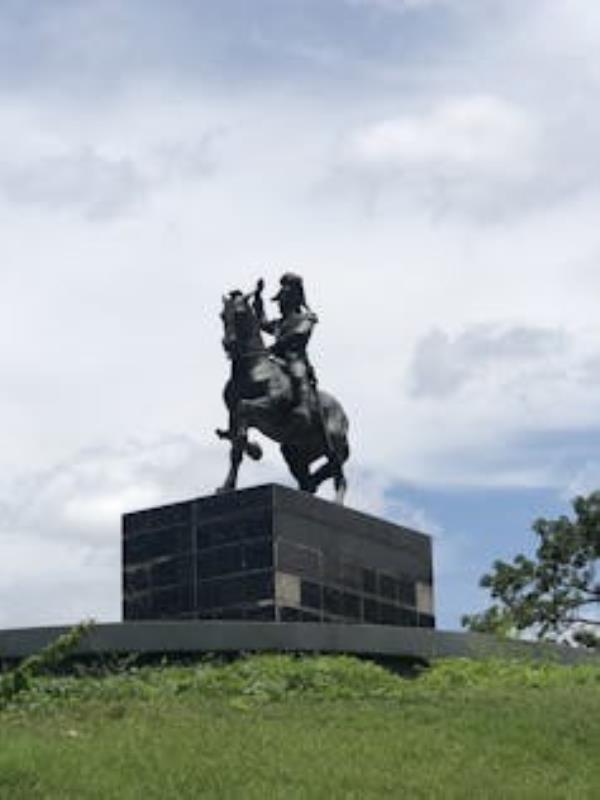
(252,449)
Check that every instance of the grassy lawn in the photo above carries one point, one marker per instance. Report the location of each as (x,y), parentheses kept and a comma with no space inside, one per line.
(278,727)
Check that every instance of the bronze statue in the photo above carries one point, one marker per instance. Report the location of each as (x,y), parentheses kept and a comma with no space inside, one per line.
(275,389)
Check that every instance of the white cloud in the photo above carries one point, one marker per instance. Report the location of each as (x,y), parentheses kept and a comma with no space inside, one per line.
(49,582)
(422,173)
(100,187)
(478,154)
(481,134)
(442,366)
(60,531)
(96,166)
(117,330)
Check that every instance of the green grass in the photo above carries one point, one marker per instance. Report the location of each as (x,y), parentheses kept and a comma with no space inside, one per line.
(320,727)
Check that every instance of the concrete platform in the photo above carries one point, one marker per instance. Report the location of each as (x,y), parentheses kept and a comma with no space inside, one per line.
(198,637)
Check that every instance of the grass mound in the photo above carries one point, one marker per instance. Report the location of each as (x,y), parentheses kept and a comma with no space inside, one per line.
(283,726)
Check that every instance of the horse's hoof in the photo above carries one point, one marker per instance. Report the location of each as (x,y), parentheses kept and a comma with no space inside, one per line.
(254,450)
(221,434)
(223,490)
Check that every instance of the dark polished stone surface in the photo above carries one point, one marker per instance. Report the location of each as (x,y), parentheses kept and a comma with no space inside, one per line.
(273,553)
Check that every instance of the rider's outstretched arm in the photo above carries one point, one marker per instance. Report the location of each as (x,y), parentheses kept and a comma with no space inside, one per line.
(258,307)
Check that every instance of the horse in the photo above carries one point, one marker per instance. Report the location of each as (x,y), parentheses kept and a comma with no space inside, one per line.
(259,394)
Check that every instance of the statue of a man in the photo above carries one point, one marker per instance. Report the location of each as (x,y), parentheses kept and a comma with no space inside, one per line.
(292,332)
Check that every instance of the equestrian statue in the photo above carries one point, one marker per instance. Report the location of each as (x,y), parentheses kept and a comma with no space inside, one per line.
(274,389)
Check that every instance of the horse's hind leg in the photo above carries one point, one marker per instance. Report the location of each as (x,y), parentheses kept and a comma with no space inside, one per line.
(331,469)
(342,451)
(341,485)
(298,466)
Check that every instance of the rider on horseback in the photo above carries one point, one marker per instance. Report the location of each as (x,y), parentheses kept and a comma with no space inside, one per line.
(292,332)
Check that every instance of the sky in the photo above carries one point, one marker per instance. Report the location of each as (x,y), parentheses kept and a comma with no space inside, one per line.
(429,166)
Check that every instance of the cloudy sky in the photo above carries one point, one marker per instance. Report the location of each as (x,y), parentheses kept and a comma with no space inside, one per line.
(430,166)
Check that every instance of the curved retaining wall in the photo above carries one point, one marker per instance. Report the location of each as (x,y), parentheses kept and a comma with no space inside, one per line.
(214,637)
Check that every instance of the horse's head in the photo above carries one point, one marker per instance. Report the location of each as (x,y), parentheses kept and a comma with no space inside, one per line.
(239,323)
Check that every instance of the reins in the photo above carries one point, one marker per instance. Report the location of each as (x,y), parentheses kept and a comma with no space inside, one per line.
(251,354)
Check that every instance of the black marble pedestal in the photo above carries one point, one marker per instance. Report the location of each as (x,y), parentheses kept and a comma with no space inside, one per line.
(274,554)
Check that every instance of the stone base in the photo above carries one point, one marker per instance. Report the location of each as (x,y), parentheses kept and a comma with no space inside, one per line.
(274,554)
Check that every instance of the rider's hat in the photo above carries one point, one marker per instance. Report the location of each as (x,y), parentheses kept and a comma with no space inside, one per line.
(292,282)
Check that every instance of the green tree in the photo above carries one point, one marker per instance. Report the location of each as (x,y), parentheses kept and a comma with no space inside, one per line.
(555,594)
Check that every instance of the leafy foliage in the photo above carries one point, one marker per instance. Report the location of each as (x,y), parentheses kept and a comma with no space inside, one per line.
(259,680)
(56,653)
(555,594)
